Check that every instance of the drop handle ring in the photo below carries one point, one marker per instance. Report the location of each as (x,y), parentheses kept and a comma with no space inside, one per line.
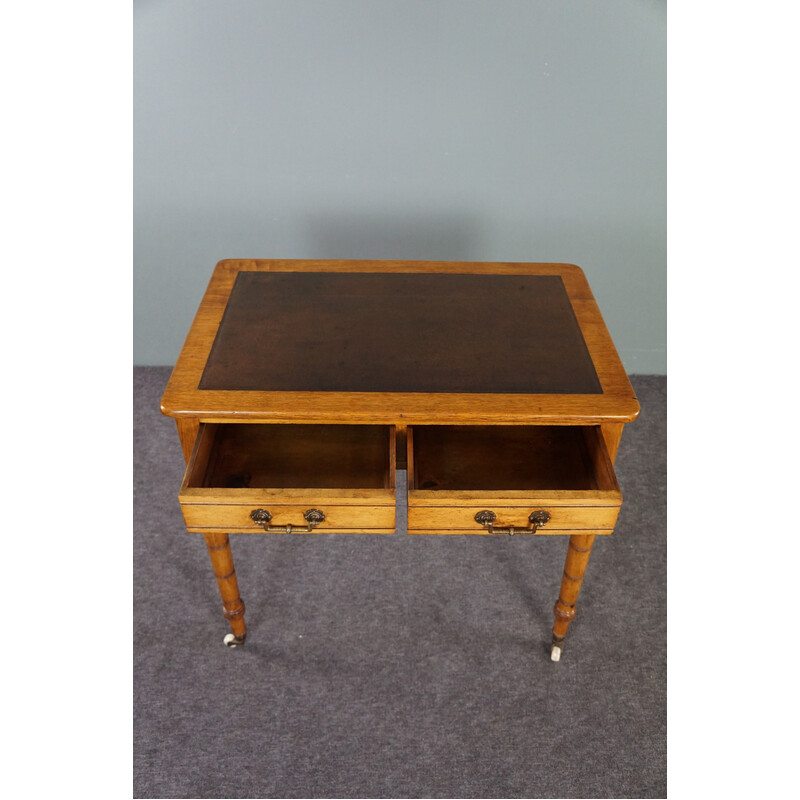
(537,519)
(262,517)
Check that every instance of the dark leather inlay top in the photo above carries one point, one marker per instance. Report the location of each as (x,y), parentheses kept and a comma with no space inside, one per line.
(381,332)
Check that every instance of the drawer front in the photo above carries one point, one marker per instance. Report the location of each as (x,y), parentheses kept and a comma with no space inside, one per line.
(456,474)
(261,478)
(233,518)
(461,518)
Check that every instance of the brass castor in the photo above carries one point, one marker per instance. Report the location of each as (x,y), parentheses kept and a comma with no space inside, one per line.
(233,641)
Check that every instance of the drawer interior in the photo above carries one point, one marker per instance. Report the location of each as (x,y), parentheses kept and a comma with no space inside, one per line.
(242,455)
(508,458)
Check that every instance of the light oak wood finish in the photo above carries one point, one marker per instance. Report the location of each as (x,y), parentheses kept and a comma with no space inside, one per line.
(188,428)
(612,433)
(461,519)
(347,473)
(182,398)
(577,560)
(219,550)
(467,469)
(547,450)
(578,552)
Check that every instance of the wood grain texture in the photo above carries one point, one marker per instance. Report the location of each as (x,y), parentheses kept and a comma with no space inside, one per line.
(347,473)
(525,459)
(294,456)
(235,518)
(616,403)
(533,461)
(578,552)
(219,550)
(188,428)
(509,458)
(612,433)
(461,519)
(444,531)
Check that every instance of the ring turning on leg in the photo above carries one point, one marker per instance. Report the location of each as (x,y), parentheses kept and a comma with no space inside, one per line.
(580,547)
(219,550)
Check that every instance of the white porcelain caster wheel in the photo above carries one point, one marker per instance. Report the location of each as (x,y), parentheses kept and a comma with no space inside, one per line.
(233,641)
(555,653)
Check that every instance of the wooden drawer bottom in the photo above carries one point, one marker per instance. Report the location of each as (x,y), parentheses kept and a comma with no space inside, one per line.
(263,478)
(505,474)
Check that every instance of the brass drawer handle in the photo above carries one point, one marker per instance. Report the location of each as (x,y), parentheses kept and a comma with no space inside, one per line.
(537,519)
(262,517)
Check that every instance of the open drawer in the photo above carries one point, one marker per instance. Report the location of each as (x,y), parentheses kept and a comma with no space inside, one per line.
(510,479)
(255,478)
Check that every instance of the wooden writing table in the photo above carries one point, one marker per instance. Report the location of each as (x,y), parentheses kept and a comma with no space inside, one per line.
(304,385)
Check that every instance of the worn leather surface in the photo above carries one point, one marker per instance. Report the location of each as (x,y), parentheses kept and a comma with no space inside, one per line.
(400,333)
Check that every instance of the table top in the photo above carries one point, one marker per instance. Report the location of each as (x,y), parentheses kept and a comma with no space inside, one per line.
(399,343)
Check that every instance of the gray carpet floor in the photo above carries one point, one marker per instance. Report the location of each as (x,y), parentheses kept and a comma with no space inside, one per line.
(398,666)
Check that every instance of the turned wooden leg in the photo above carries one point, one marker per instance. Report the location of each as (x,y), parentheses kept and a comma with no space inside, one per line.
(219,549)
(580,548)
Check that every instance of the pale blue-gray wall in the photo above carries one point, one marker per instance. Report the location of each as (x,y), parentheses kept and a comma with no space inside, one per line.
(497,130)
